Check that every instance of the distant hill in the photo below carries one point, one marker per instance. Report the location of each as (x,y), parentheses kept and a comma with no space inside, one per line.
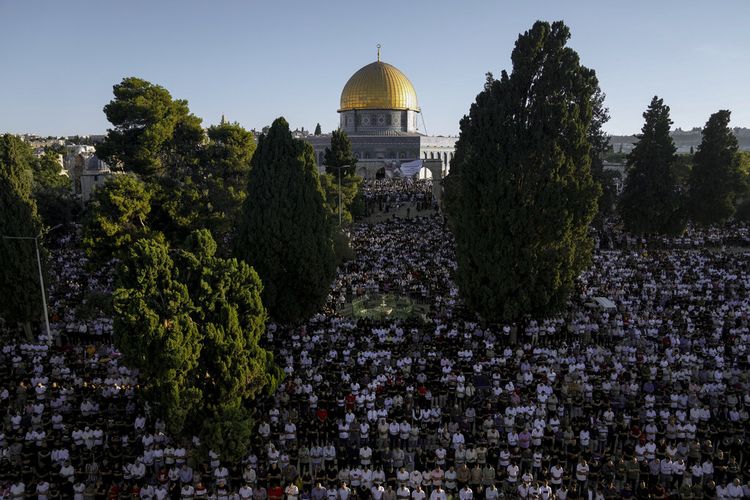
(683,139)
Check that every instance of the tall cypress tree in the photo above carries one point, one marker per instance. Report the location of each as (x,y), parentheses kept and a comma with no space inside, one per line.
(19,275)
(650,201)
(285,233)
(715,178)
(523,196)
(340,154)
(155,331)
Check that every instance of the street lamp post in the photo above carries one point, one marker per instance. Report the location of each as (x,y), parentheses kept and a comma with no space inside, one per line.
(339,170)
(41,277)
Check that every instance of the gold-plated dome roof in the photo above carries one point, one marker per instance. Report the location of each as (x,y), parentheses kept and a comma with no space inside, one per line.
(378,86)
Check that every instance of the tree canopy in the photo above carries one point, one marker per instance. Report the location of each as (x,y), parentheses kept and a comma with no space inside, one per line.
(151,130)
(715,179)
(523,195)
(192,323)
(196,178)
(285,232)
(52,190)
(117,217)
(650,202)
(599,141)
(19,275)
(154,330)
(225,169)
(340,155)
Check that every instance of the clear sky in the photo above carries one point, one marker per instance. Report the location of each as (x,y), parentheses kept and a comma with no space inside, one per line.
(254,61)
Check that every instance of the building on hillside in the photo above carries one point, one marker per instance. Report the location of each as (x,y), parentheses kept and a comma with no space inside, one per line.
(86,171)
(94,175)
(380,113)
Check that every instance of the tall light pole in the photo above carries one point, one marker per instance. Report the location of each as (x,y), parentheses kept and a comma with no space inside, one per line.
(339,170)
(41,277)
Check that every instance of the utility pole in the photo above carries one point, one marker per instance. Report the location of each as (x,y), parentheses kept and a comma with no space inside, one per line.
(41,277)
(339,171)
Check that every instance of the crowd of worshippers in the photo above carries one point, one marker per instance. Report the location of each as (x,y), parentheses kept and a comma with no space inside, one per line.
(389,195)
(649,398)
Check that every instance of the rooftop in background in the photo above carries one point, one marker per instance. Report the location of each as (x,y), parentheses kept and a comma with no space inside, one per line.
(683,139)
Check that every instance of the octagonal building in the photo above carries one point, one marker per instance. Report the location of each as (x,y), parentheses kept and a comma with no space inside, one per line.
(380,113)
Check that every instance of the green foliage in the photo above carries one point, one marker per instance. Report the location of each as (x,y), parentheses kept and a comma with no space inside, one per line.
(196,179)
(52,191)
(452,181)
(340,155)
(155,331)
(608,201)
(19,278)
(285,232)
(349,191)
(151,130)
(317,129)
(615,157)
(681,169)
(745,163)
(358,207)
(47,172)
(220,366)
(225,169)
(179,206)
(716,178)
(650,201)
(599,141)
(117,216)
(520,193)
(743,211)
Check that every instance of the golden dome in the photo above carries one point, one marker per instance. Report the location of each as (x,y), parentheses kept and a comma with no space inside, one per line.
(378,86)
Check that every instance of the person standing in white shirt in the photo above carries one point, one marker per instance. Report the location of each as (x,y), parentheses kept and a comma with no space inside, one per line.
(582,474)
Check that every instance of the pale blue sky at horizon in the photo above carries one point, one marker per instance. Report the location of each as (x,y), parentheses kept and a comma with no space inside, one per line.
(254,61)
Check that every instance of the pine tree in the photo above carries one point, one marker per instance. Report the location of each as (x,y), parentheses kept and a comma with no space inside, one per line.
(523,196)
(285,233)
(650,202)
(153,134)
(715,178)
(19,275)
(317,129)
